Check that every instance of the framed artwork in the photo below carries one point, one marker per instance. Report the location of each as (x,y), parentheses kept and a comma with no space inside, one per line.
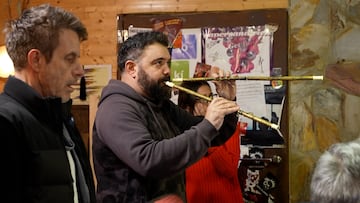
(95,78)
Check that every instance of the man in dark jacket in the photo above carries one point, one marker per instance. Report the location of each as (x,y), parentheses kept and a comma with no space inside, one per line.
(142,141)
(43,156)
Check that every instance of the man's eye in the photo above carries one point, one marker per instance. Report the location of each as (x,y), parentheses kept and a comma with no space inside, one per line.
(160,62)
(71,59)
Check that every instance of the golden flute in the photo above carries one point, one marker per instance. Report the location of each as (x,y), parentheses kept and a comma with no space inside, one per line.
(313,77)
(248,115)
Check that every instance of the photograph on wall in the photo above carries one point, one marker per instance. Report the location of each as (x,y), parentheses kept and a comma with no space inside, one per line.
(94,79)
(202,70)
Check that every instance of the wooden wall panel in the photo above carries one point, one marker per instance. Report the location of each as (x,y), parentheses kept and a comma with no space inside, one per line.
(197,5)
(2,83)
(81,116)
(100,17)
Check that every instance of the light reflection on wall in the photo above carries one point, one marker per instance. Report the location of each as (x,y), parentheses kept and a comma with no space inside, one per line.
(6,64)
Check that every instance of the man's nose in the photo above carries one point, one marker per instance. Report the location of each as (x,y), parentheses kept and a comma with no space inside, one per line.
(167,69)
(79,71)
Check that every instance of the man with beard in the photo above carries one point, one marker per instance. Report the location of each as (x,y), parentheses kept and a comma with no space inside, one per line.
(142,141)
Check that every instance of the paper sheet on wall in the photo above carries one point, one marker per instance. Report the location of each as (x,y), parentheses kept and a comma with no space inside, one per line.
(250,96)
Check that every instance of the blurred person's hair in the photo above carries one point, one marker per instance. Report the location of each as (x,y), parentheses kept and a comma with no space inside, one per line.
(336,177)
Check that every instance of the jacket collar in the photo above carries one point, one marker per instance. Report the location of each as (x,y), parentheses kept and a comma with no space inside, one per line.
(44,108)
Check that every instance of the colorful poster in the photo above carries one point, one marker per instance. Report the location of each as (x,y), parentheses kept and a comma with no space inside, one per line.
(172,28)
(179,69)
(241,50)
(190,51)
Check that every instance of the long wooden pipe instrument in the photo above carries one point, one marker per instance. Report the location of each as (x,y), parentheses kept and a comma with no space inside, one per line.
(316,77)
(248,115)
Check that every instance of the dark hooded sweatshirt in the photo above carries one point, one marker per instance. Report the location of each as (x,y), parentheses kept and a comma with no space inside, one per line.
(141,148)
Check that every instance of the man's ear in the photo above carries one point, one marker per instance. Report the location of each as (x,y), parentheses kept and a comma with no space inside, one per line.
(34,59)
(131,68)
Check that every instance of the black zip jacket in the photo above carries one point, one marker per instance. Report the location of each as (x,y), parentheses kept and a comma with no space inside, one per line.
(35,167)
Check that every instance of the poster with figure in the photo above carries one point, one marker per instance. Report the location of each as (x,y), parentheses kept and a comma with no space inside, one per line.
(243,51)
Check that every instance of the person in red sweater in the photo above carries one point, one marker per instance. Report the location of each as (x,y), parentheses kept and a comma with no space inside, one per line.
(214,178)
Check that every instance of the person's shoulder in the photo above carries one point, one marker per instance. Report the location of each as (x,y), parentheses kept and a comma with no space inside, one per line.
(10,109)
(116,89)
(119,104)
(7,102)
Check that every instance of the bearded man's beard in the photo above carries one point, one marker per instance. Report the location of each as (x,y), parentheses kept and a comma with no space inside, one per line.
(156,90)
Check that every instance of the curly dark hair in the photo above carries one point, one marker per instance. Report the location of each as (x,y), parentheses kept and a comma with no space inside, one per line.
(134,46)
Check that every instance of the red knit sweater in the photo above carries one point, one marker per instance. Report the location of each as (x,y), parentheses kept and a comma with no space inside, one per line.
(214,178)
